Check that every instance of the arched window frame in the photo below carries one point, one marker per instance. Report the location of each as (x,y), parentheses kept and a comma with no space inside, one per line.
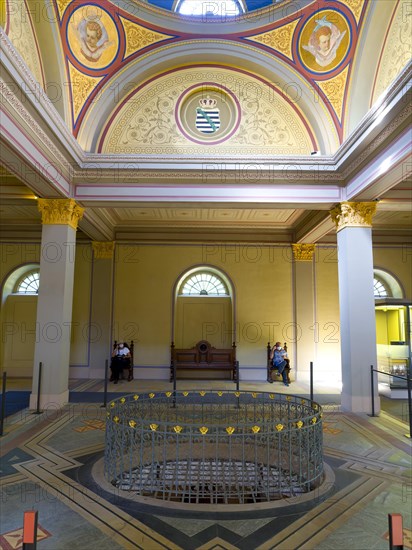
(28,283)
(202,283)
(380,289)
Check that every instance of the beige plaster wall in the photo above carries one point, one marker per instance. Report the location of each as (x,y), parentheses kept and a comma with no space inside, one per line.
(326,329)
(18,313)
(145,277)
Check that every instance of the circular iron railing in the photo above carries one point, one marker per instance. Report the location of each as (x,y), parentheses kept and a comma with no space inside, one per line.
(214,446)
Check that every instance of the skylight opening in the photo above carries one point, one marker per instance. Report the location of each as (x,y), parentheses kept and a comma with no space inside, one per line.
(209,8)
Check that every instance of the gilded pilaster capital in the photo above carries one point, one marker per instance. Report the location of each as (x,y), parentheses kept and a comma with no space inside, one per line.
(353,214)
(60,212)
(103,250)
(303,252)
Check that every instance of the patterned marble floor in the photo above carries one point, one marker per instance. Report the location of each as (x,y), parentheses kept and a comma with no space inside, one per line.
(47,459)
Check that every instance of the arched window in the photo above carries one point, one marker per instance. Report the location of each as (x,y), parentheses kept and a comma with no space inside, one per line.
(209,8)
(379,288)
(29,284)
(204,284)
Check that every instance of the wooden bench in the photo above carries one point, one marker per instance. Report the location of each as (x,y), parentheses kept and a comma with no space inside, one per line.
(272,374)
(203,361)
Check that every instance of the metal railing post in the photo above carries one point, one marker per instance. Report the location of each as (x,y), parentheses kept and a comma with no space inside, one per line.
(106,370)
(311,380)
(3,402)
(38,411)
(372,392)
(174,384)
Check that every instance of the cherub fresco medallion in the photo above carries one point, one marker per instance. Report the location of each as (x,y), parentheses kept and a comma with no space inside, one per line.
(324,41)
(92,37)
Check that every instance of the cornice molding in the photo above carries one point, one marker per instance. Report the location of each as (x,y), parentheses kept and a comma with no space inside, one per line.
(36,96)
(397,94)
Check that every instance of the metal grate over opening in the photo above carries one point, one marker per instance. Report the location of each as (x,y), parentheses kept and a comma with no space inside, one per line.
(211,481)
(216,447)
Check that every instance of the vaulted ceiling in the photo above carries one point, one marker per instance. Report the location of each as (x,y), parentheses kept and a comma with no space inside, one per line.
(105,103)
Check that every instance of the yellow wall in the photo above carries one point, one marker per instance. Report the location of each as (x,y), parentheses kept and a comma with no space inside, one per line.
(203,318)
(81,307)
(144,284)
(18,316)
(327,311)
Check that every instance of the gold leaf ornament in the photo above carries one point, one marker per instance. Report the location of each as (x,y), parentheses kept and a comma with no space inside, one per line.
(151,395)
(178,429)
(255,429)
(230,430)
(153,427)
(299,424)
(168,393)
(279,427)
(132,423)
(135,397)
(203,430)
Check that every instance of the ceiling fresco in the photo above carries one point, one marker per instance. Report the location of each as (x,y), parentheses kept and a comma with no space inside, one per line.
(308,49)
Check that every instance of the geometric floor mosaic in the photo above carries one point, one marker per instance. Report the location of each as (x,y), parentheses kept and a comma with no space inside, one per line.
(46,465)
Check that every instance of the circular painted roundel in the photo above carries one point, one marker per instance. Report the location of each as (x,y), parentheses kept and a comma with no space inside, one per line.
(324,41)
(207,113)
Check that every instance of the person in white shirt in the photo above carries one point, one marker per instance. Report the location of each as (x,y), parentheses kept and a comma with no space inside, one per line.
(120,359)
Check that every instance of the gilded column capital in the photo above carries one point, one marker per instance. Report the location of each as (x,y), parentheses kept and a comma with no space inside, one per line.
(353,214)
(303,252)
(60,212)
(103,250)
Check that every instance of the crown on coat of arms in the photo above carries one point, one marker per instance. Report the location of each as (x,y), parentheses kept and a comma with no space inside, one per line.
(207,103)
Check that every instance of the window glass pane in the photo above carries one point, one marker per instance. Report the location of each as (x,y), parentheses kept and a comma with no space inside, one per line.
(209,8)
(380,290)
(204,284)
(30,284)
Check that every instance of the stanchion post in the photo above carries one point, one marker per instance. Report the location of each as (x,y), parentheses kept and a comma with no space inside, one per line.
(237,383)
(311,380)
(106,371)
(409,385)
(395,532)
(30,530)
(38,411)
(372,392)
(3,402)
(174,384)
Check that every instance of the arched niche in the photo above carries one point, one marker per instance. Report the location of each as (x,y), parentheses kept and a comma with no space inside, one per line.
(18,320)
(205,315)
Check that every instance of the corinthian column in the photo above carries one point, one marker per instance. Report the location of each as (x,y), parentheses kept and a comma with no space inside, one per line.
(357,304)
(54,307)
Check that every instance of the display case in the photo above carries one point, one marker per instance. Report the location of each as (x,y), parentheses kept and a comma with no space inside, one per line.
(393,347)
